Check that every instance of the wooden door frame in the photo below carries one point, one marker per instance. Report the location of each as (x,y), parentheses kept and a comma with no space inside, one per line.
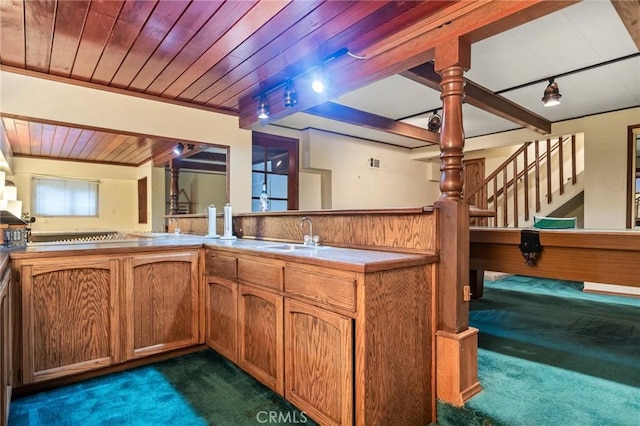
(631,153)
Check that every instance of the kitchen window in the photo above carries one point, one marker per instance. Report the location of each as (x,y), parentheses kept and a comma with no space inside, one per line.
(64,197)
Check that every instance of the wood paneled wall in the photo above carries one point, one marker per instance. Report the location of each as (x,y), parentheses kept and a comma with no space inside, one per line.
(411,229)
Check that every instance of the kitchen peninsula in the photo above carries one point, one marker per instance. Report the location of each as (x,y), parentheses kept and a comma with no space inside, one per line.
(345,334)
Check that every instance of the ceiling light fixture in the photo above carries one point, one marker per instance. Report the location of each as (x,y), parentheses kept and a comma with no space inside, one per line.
(263,107)
(551,94)
(290,97)
(435,121)
(178,149)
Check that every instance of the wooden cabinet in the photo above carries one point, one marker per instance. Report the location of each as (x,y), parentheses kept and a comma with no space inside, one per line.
(86,312)
(221,304)
(319,362)
(260,332)
(6,336)
(161,302)
(70,316)
(221,318)
(244,314)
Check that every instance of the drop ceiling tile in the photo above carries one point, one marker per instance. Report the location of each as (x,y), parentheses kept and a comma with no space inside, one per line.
(393,97)
(602,28)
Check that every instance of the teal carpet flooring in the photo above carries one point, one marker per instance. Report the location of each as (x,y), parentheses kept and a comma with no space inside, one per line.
(198,389)
(550,354)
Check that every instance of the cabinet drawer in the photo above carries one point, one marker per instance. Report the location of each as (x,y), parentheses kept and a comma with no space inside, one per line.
(322,285)
(221,266)
(261,273)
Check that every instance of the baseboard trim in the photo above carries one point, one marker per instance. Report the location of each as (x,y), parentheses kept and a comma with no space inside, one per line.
(33,388)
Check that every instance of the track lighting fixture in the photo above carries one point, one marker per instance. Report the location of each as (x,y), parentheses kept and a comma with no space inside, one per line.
(178,149)
(551,94)
(290,97)
(435,121)
(263,107)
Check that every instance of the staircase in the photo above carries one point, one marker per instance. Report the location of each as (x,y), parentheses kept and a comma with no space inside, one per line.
(538,179)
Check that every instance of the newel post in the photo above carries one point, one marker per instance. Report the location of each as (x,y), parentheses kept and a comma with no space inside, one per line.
(456,343)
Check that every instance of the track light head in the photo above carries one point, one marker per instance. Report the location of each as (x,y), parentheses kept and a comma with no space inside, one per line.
(290,97)
(178,149)
(435,122)
(551,94)
(263,108)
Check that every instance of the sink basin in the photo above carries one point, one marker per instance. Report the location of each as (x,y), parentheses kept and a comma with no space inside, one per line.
(291,247)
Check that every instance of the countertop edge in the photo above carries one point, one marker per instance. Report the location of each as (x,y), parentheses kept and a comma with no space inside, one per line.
(359,262)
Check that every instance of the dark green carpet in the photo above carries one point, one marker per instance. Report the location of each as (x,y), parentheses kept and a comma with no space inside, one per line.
(550,354)
(198,389)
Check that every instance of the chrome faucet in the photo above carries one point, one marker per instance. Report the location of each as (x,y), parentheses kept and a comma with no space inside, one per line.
(309,239)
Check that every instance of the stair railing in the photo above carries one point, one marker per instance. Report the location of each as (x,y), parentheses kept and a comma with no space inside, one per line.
(503,185)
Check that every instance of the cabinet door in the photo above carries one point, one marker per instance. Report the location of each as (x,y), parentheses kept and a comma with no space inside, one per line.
(260,332)
(319,360)
(221,319)
(5,347)
(69,316)
(161,300)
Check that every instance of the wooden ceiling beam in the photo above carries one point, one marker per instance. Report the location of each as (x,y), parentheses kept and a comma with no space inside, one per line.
(483,98)
(629,12)
(345,114)
(473,21)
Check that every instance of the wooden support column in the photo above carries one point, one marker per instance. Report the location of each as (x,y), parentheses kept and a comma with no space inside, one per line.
(174,189)
(457,344)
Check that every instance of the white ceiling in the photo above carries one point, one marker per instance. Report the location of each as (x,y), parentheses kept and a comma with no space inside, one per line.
(581,35)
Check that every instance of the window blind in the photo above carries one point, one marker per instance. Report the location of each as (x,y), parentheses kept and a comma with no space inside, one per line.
(64,197)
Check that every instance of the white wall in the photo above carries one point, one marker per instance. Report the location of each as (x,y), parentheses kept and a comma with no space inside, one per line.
(41,99)
(605,163)
(399,182)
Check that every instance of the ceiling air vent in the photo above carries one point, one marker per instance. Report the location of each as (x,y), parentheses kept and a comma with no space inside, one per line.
(374,163)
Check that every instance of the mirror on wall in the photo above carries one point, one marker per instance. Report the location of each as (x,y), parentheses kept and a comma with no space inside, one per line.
(201,180)
(120,161)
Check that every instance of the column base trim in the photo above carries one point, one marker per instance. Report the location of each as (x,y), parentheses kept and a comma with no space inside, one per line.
(457,366)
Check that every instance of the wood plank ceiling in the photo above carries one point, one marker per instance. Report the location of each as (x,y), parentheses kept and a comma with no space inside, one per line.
(220,55)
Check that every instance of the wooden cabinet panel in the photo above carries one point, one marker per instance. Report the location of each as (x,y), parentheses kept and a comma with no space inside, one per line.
(221,316)
(260,333)
(5,347)
(69,317)
(319,362)
(221,266)
(322,285)
(267,274)
(161,302)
